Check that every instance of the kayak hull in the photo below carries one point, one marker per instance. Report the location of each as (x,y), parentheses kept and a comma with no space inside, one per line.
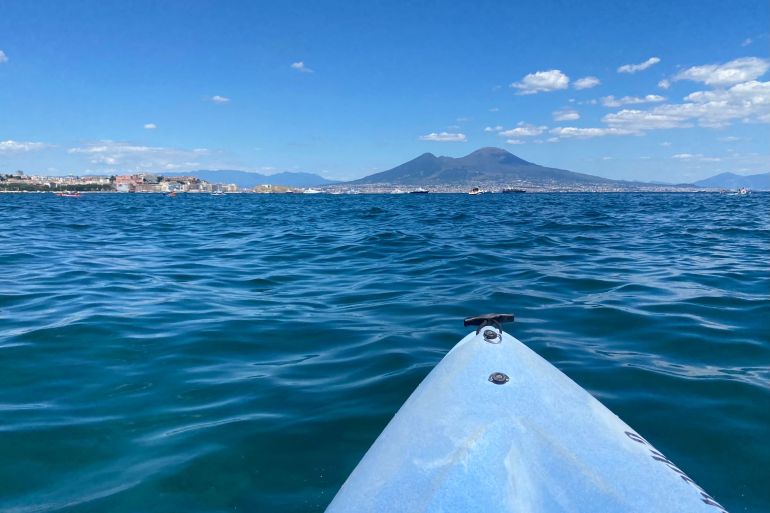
(494,427)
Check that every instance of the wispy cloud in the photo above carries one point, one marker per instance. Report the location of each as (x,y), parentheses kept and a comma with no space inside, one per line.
(542,81)
(11,146)
(664,84)
(497,128)
(138,157)
(586,83)
(3,57)
(611,101)
(524,130)
(567,132)
(635,68)
(150,126)
(566,115)
(729,73)
(300,66)
(443,137)
(515,141)
(747,41)
(220,99)
(695,157)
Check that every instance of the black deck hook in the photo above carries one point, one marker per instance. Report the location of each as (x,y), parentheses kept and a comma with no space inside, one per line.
(495,320)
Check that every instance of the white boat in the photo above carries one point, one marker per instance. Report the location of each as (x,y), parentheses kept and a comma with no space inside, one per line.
(494,427)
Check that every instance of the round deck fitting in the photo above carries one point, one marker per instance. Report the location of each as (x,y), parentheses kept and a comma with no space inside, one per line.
(492,337)
(498,378)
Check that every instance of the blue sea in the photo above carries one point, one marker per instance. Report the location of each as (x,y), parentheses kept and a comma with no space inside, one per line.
(241,352)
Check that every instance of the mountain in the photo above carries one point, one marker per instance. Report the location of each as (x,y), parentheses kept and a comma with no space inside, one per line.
(246,179)
(487,165)
(759,182)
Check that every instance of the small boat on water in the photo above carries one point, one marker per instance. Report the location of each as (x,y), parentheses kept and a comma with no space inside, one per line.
(68,194)
(419,191)
(744,191)
(513,191)
(218,193)
(170,194)
(495,427)
(475,191)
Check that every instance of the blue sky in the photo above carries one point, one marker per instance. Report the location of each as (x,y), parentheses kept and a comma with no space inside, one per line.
(672,91)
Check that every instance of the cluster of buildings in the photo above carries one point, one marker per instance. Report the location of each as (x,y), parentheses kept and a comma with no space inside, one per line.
(145,182)
(19,181)
(154,183)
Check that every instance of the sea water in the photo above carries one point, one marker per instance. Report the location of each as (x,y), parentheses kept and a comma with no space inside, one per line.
(241,352)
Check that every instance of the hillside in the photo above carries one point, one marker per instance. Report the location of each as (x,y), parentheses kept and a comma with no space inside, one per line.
(487,165)
(758,182)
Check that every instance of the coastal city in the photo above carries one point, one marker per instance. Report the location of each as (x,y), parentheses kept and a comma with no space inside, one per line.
(19,181)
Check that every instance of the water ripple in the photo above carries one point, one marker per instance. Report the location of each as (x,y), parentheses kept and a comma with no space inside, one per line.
(217,353)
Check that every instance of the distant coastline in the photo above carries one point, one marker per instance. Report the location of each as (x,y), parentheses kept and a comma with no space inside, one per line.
(486,169)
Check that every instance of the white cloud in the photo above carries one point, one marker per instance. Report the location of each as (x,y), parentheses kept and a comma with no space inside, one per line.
(566,115)
(494,109)
(749,102)
(497,128)
(11,146)
(3,57)
(665,144)
(138,157)
(664,84)
(444,137)
(514,141)
(661,117)
(524,130)
(150,126)
(696,156)
(611,101)
(729,138)
(586,83)
(747,41)
(587,133)
(729,73)
(220,99)
(108,146)
(542,81)
(633,68)
(300,66)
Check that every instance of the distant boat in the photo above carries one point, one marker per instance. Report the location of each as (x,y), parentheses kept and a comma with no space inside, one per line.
(68,194)
(312,191)
(419,191)
(218,193)
(512,191)
(744,191)
(475,191)
(170,194)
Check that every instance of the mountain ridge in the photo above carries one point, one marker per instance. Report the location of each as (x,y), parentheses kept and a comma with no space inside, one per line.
(485,165)
(759,181)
